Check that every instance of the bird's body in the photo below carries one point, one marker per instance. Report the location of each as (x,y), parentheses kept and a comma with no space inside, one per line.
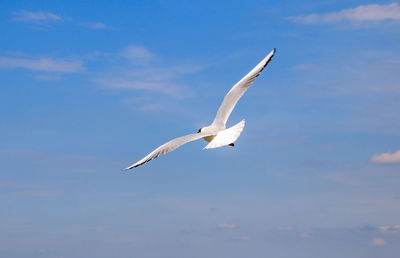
(209,138)
(216,134)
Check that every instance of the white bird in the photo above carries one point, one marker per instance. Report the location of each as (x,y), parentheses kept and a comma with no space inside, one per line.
(216,134)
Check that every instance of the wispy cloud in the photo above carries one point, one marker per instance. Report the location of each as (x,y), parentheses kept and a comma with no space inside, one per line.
(378,241)
(31,190)
(151,103)
(35,17)
(226,226)
(42,64)
(135,83)
(305,236)
(72,163)
(390,229)
(284,228)
(141,69)
(362,13)
(138,54)
(95,25)
(386,158)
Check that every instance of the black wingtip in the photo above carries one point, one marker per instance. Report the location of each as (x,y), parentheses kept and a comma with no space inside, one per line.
(274,50)
(128,168)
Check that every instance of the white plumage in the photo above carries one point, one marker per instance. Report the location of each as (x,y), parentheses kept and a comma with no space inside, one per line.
(227,136)
(216,134)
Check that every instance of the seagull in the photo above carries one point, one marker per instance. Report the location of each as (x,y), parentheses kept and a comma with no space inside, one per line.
(215,134)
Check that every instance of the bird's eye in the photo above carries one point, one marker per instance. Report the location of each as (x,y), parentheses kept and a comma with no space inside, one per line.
(199,131)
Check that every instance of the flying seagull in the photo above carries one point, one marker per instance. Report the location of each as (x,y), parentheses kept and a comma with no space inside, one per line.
(216,134)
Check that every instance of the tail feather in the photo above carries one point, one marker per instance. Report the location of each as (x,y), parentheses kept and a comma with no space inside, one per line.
(227,136)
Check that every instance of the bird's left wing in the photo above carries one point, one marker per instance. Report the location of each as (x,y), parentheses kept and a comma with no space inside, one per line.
(238,90)
(169,146)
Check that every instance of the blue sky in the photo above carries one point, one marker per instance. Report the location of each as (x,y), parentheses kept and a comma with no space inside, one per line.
(89,88)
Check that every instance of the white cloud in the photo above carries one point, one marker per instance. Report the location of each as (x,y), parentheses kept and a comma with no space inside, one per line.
(284,228)
(386,158)
(95,25)
(35,17)
(226,226)
(378,241)
(390,229)
(305,236)
(42,64)
(138,54)
(362,13)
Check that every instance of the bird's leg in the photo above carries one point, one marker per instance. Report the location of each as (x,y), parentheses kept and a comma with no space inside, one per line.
(231,144)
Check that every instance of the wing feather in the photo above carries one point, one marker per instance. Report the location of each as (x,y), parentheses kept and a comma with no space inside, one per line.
(168,147)
(238,90)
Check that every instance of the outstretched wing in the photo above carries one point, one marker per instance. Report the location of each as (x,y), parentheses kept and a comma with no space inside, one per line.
(237,91)
(169,146)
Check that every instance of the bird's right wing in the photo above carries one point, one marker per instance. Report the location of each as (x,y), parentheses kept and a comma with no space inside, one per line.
(238,90)
(169,146)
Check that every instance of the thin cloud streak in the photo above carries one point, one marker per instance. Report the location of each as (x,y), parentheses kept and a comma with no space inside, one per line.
(362,13)
(138,55)
(390,229)
(35,17)
(305,236)
(284,228)
(137,84)
(226,226)
(95,25)
(42,64)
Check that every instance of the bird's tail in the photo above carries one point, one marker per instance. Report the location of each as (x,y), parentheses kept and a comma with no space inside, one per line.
(226,136)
